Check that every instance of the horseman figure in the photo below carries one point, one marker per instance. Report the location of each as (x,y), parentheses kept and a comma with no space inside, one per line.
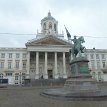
(77,46)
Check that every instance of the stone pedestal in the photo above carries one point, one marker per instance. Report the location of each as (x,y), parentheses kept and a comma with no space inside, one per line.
(79,67)
(81,80)
(80,86)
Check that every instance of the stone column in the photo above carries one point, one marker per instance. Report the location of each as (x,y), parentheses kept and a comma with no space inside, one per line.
(100,58)
(20,63)
(28,65)
(37,65)
(55,69)
(45,73)
(64,66)
(95,61)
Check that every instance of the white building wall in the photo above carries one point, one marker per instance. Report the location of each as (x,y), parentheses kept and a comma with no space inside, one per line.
(104,77)
(100,60)
(41,67)
(13,70)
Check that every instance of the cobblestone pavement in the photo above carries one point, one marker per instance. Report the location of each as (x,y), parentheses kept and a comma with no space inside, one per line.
(30,97)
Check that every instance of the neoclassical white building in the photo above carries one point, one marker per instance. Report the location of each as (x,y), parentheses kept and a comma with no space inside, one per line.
(46,56)
(97,63)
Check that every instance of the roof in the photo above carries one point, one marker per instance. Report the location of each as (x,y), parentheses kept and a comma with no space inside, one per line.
(48,40)
(49,17)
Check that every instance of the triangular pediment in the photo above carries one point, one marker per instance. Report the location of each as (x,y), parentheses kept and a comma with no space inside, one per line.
(50,40)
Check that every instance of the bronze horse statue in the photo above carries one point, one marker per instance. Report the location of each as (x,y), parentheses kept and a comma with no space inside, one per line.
(77,47)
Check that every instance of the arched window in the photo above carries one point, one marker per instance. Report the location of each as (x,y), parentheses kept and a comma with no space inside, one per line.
(55,27)
(44,26)
(50,25)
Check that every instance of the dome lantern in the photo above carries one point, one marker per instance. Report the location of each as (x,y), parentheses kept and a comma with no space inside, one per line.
(49,25)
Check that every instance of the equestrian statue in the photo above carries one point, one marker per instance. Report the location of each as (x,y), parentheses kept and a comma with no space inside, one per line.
(77,47)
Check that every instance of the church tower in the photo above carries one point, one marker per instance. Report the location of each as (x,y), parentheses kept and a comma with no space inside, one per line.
(49,27)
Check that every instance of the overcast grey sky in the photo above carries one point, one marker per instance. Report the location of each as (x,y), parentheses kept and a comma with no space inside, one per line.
(81,17)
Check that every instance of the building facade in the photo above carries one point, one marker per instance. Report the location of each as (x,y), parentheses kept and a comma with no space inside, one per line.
(97,63)
(46,56)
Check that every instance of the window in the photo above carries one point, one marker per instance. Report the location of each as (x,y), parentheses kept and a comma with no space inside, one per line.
(99,75)
(55,27)
(1,65)
(103,64)
(98,64)
(1,76)
(50,56)
(17,76)
(10,55)
(93,64)
(24,55)
(24,64)
(92,56)
(17,55)
(17,64)
(8,74)
(2,55)
(50,25)
(103,56)
(23,76)
(86,55)
(44,26)
(9,65)
(41,56)
(97,56)
(32,71)
(93,74)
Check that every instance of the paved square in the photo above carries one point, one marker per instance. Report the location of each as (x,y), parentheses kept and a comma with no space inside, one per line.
(30,97)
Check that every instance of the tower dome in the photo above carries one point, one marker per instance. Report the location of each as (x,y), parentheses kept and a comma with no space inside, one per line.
(49,17)
(49,25)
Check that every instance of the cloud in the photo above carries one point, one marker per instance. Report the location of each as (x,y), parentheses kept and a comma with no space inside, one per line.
(82,18)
